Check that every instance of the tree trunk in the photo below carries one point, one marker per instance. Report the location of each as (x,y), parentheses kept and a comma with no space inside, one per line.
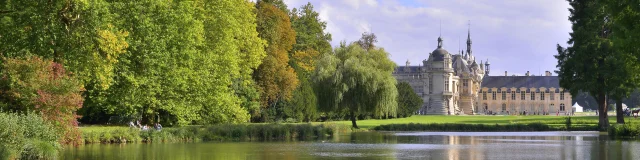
(353,120)
(619,114)
(603,122)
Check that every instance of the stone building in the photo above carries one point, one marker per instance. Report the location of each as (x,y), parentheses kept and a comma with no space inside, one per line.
(447,83)
(519,94)
(452,84)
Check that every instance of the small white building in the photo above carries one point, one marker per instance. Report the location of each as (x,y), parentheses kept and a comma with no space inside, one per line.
(577,108)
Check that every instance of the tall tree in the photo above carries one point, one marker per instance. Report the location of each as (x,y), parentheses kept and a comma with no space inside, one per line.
(367,41)
(626,29)
(275,77)
(311,42)
(356,80)
(591,63)
(408,101)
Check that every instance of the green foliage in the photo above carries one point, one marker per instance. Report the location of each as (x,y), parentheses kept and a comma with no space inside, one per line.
(27,136)
(358,81)
(43,86)
(567,122)
(408,101)
(275,77)
(303,106)
(219,132)
(629,130)
(593,62)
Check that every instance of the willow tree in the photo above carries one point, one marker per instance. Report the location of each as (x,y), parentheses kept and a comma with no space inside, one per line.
(356,80)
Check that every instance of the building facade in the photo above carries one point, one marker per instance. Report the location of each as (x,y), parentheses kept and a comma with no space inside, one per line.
(448,84)
(455,84)
(538,95)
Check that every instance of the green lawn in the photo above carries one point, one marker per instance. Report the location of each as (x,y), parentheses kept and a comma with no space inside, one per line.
(369,124)
(551,120)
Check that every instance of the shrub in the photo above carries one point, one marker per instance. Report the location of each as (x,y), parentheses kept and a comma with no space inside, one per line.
(27,136)
(33,84)
(630,130)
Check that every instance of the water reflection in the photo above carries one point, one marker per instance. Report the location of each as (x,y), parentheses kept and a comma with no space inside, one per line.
(386,145)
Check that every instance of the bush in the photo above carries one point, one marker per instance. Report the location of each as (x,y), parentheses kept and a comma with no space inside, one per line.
(34,84)
(220,132)
(27,136)
(628,130)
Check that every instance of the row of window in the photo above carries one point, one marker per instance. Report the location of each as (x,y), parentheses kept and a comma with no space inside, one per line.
(513,107)
(522,96)
(527,90)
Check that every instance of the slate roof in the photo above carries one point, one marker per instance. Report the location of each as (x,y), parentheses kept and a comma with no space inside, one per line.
(412,69)
(520,81)
(460,64)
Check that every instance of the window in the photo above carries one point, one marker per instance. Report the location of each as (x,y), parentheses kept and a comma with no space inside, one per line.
(486,107)
(504,95)
(504,107)
(533,96)
(430,85)
(446,85)
(561,106)
(484,95)
(552,96)
(542,96)
(513,95)
(494,95)
(562,95)
(465,83)
(522,97)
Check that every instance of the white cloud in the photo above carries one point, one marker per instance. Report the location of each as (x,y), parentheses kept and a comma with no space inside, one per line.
(514,35)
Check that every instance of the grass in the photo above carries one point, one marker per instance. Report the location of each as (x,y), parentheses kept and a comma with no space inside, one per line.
(423,119)
(218,132)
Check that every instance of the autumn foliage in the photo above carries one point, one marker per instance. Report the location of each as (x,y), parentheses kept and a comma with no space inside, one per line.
(36,85)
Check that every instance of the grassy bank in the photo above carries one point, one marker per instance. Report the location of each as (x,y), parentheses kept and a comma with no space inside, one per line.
(222,132)
(456,127)
(551,120)
(628,130)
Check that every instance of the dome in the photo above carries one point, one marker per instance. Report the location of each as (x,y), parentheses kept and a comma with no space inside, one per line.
(439,54)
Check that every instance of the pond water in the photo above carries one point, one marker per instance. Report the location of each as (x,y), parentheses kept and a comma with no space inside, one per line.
(384,145)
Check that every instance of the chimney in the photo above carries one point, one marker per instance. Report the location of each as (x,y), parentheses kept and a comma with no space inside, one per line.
(547,73)
(505,73)
(527,73)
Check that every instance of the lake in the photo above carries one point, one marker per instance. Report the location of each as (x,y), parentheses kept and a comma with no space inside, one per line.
(384,145)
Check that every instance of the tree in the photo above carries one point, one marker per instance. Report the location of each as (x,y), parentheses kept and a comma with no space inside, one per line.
(626,29)
(408,101)
(356,80)
(311,43)
(33,84)
(591,63)
(275,77)
(367,41)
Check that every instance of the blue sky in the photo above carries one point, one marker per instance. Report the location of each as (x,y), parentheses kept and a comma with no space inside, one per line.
(515,36)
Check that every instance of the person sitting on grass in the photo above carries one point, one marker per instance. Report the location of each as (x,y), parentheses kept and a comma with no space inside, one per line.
(158,126)
(131,125)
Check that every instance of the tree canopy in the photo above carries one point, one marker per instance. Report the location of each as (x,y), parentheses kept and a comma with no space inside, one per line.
(593,62)
(408,101)
(358,81)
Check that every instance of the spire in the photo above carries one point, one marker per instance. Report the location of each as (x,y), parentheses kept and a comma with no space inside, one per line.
(469,39)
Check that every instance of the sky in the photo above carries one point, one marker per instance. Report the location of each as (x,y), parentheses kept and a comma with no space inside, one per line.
(515,36)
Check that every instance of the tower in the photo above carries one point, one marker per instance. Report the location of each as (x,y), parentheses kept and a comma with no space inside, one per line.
(469,43)
(486,68)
